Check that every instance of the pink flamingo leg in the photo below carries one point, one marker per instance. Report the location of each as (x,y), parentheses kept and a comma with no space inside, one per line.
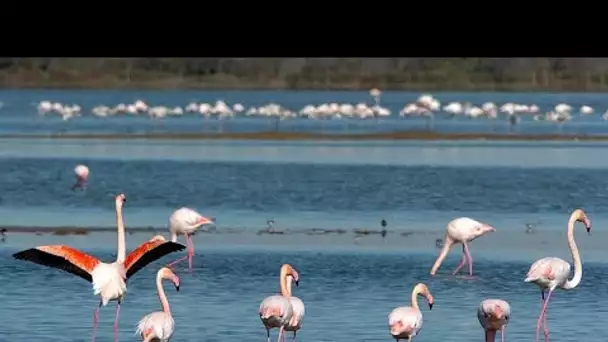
(470,259)
(502,333)
(542,318)
(544,323)
(463,261)
(190,252)
(95,321)
(116,323)
(184,257)
(294,336)
(280,334)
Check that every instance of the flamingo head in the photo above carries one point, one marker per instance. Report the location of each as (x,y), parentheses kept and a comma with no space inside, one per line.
(291,274)
(581,216)
(424,291)
(167,273)
(497,313)
(120,199)
(482,229)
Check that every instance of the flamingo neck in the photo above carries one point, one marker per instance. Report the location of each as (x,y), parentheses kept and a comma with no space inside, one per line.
(173,236)
(490,335)
(447,244)
(285,287)
(578,264)
(161,295)
(121,250)
(414,298)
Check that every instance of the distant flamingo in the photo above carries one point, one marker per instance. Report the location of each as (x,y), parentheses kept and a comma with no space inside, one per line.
(277,311)
(406,321)
(461,230)
(159,325)
(494,315)
(185,221)
(109,279)
(551,273)
(82,173)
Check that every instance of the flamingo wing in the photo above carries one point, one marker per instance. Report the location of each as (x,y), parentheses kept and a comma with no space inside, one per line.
(61,257)
(149,251)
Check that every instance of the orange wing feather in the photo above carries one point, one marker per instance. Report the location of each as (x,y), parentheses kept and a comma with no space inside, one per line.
(62,257)
(151,250)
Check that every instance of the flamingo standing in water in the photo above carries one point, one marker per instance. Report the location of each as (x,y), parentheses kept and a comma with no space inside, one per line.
(82,173)
(186,221)
(461,230)
(551,273)
(406,321)
(277,311)
(493,315)
(109,279)
(159,325)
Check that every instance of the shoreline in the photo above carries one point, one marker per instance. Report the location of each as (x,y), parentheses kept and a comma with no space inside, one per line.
(278,136)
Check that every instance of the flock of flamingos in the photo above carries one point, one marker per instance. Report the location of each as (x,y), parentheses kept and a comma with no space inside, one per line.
(284,311)
(425,106)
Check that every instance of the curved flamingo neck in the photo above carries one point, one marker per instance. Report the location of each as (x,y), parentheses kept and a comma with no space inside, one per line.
(285,287)
(414,298)
(173,237)
(162,296)
(447,244)
(578,264)
(121,253)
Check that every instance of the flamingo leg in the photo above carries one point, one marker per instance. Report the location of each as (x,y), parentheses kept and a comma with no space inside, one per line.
(465,248)
(463,261)
(280,334)
(542,318)
(184,257)
(267,335)
(544,322)
(116,322)
(294,336)
(95,321)
(190,251)
(502,333)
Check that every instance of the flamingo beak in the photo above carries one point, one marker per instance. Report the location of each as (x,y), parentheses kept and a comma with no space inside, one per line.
(297,283)
(177,287)
(430,306)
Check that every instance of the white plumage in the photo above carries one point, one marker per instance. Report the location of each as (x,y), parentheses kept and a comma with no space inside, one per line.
(159,323)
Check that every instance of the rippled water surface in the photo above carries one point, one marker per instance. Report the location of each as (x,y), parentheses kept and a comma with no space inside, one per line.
(348,283)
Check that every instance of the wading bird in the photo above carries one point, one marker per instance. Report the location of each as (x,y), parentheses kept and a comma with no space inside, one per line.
(406,321)
(551,273)
(494,315)
(82,173)
(109,279)
(461,230)
(185,221)
(277,311)
(159,325)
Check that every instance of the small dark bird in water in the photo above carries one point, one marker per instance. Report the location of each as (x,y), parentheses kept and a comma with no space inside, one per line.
(3,232)
(383,232)
(270,224)
(439,243)
(530,228)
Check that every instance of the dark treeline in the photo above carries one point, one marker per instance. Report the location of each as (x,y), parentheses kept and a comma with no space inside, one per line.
(559,74)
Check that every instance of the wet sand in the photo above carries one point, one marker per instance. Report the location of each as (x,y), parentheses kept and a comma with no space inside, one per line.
(271,135)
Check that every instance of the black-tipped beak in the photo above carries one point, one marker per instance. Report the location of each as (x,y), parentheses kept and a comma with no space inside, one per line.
(124,200)
(177,288)
(297,283)
(588,230)
(430,306)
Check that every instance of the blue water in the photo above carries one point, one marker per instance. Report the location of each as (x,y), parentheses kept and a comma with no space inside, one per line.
(19,115)
(349,284)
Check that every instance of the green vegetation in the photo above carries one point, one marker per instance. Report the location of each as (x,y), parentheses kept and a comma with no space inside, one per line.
(501,74)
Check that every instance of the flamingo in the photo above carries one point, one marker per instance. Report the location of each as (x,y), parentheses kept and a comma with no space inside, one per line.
(551,273)
(159,325)
(493,315)
(277,311)
(109,279)
(461,230)
(406,321)
(186,221)
(82,173)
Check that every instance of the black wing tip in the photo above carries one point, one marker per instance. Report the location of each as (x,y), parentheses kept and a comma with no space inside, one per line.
(26,254)
(175,246)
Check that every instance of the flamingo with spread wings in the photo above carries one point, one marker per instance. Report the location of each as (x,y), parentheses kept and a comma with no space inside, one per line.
(109,279)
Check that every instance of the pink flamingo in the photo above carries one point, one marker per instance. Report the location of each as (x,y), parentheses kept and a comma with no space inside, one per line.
(551,273)
(277,311)
(109,279)
(406,321)
(185,221)
(493,315)
(461,230)
(82,173)
(159,325)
